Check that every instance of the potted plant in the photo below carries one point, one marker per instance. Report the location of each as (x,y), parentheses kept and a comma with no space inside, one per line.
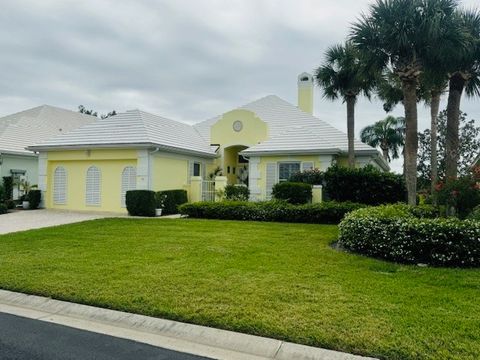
(25,187)
(160,204)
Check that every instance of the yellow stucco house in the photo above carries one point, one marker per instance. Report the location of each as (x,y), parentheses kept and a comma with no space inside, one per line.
(258,144)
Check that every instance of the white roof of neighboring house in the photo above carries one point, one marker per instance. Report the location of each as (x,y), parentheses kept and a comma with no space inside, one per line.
(291,130)
(20,130)
(133,128)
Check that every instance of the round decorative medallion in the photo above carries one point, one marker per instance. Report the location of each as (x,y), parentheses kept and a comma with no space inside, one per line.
(237,126)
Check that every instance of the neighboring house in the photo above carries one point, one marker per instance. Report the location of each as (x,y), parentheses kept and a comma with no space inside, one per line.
(260,144)
(17,131)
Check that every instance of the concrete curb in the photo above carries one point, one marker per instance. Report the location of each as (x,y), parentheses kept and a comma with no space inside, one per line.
(173,335)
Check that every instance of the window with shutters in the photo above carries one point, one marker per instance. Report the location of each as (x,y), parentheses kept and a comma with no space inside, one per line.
(129,181)
(92,186)
(287,169)
(60,186)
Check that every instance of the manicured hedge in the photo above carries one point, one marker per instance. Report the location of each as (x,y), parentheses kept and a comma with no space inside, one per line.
(311,176)
(364,185)
(294,193)
(3,209)
(140,202)
(323,213)
(169,200)
(34,197)
(237,193)
(411,235)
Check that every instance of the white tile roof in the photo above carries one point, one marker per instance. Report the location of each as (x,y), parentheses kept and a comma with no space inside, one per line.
(133,128)
(291,130)
(17,131)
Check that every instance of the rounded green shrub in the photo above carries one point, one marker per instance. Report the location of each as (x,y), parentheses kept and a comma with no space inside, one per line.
(237,192)
(141,202)
(34,197)
(412,235)
(294,193)
(169,200)
(3,209)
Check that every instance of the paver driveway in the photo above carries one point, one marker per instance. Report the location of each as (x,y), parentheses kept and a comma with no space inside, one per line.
(35,219)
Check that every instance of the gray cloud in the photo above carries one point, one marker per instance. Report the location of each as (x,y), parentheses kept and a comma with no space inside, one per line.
(188,60)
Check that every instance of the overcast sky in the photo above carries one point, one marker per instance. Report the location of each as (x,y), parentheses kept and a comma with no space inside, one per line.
(184,59)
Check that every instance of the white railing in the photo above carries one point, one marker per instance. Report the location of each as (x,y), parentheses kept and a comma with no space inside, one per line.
(208,190)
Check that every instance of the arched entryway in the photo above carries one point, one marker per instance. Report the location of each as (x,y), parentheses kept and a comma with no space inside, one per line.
(235,166)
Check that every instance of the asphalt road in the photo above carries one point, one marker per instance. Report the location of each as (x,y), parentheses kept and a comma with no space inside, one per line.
(27,339)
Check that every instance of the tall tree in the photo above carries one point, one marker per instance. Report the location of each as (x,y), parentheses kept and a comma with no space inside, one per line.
(469,148)
(434,81)
(82,109)
(401,35)
(344,75)
(464,76)
(387,134)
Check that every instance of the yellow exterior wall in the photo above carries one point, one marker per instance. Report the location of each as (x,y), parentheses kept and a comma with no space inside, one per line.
(254,129)
(111,175)
(261,183)
(169,173)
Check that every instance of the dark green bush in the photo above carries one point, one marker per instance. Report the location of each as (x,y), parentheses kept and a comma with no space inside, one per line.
(461,194)
(34,197)
(140,202)
(364,185)
(169,200)
(3,209)
(411,235)
(8,187)
(281,211)
(10,204)
(237,193)
(2,194)
(312,177)
(294,193)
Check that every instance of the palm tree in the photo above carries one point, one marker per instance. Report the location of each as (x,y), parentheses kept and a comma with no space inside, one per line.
(464,76)
(343,75)
(387,134)
(434,81)
(401,35)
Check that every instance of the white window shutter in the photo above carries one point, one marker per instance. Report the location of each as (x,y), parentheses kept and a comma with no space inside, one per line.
(92,186)
(60,186)
(271,178)
(129,181)
(190,170)
(307,165)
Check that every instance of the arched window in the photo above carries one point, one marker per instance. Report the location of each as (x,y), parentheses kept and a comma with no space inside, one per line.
(129,181)
(92,186)
(60,186)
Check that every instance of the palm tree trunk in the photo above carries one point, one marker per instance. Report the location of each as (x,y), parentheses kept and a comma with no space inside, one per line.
(351,130)
(456,86)
(411,137)
(434,108)
(385,153)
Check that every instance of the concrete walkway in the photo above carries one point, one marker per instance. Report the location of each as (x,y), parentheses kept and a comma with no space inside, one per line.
(21,220)
(176,336)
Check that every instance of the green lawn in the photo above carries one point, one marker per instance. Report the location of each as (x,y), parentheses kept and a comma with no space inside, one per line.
(269,279)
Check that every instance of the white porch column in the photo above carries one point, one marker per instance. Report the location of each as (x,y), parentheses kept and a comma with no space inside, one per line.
(254,178)
(42,176)
(325,161)
(143,165)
